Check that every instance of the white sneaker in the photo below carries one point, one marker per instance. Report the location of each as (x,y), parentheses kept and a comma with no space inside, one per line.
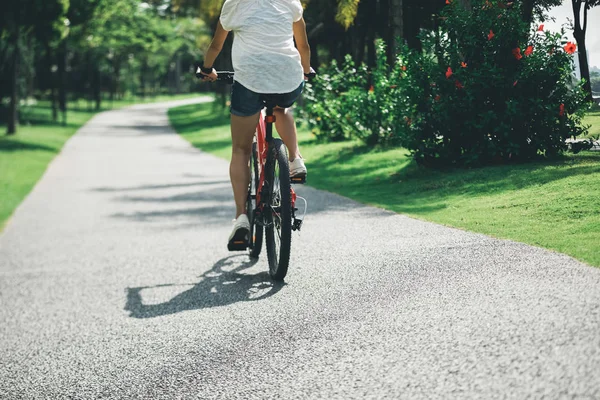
(297,167)
(240,235)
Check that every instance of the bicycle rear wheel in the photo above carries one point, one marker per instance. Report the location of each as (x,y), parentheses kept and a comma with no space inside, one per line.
(256,230)
(279,212)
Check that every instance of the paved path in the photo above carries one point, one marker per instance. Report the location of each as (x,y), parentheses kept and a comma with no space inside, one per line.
(115,282)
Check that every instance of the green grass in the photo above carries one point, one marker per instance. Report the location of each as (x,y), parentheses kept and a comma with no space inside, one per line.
(592,118)
(549,204)
(25,156)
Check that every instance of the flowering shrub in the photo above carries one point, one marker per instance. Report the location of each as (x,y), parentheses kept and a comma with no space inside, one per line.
(490,91)
(485,90)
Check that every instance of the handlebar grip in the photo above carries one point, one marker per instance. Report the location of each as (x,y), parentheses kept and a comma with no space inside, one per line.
(222,76)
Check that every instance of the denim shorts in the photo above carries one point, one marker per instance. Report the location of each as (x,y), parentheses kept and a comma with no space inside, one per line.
(245,102)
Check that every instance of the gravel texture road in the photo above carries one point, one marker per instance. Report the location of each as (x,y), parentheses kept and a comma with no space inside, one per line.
(115,282)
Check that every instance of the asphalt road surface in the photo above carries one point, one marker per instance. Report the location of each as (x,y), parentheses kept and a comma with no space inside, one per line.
(115,282)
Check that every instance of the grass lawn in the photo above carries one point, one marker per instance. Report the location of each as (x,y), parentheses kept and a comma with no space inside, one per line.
(551,204)
(25,156)
(593,118)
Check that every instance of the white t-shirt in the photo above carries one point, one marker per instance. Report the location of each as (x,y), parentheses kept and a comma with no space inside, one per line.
(264,57)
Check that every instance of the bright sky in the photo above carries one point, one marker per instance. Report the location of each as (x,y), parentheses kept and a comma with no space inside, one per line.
(564,13)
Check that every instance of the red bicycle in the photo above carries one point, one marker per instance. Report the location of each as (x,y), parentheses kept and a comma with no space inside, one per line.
(271,201)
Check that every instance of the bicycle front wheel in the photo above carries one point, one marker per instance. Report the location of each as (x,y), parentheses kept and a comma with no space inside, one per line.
(279,212)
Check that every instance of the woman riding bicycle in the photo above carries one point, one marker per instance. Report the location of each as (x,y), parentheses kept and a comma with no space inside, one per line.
(265,61)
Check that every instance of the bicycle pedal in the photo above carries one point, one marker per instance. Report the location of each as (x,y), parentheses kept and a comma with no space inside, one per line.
(297,224)
(300,179)
(240,245)
(239,242)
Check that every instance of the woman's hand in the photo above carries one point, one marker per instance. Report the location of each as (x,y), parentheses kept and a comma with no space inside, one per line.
(310,74)
(211,77)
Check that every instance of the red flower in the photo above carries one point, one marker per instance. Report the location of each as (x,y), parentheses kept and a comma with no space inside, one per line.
(447,1)
(529,50)
(448,73)
(487,5)
(562,109)
(463,64)
(541,28)
(438,97)
(404,68)
(459,85)
(515,84)
(371,89)
(570,47)
(517,53)
(491,35)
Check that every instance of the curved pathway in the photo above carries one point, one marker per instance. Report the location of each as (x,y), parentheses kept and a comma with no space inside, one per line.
(115,282)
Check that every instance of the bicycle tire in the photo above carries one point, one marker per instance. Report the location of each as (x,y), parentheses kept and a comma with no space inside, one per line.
(256,230)
(278,233)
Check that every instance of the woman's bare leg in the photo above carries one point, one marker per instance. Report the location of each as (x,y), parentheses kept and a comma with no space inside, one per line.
(242,133)
(286,127)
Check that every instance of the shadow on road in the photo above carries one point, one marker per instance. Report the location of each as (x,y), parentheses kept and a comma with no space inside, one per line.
(225,283)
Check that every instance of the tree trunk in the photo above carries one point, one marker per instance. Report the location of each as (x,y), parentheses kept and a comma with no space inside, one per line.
(396,27)
(62,80)
(385,15)
(579,33)
(111,96)
(143,78)
(527,11)
(371,24)
(52,83)
(97,87)
(90,79)
(178,73)
(53,100)
(117,80)
(349,41)
(13,109)
(359,51)
(314,38)
(411,17)
(585,70)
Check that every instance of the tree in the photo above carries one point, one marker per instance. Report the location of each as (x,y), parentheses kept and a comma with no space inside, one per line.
(18,21)
(579,29)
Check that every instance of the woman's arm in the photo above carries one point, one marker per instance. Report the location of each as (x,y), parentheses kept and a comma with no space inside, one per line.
(213,50)
(302,44)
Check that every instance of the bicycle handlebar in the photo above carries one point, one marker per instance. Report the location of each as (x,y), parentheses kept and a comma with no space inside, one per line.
(227,76)
(222,76)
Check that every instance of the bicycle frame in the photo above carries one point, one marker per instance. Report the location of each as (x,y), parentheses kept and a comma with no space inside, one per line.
(264,136)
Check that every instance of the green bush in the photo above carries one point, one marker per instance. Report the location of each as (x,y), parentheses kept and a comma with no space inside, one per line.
(489,90)
(327,101)
(352,102)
